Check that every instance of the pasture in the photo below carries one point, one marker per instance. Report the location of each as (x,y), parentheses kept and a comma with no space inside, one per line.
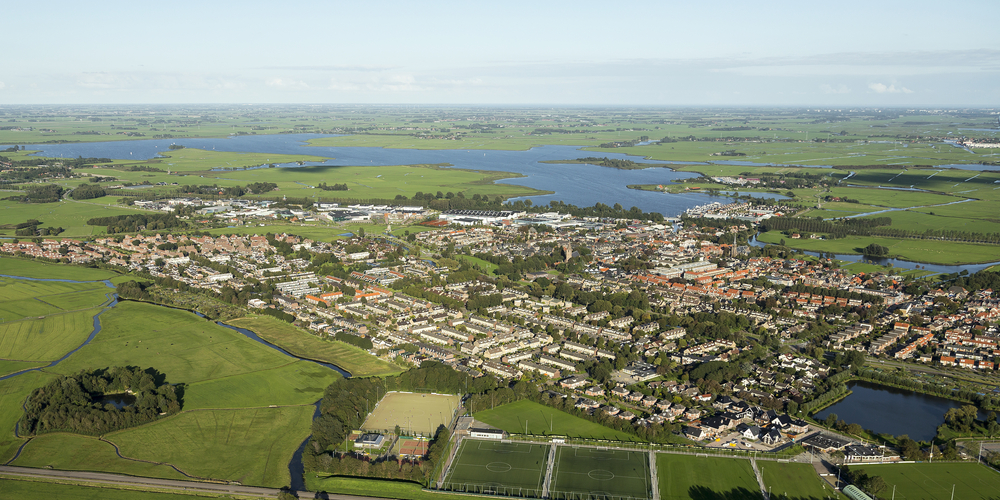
(683,477)
(356,361)
(70,215)
(183,346)
(598,474)
(929,251)
(64,451)
(45,339)
(498,468)
(414,413)
(545,420)
(44,270)
(252,446)
(935,481)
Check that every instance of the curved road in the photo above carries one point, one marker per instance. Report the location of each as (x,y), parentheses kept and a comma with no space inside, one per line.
(163,484)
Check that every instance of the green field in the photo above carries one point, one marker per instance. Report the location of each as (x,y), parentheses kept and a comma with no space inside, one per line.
(44,270)
(590,473)
(683,477)
(28,489)
(243,401)
(509,469)
(414,413)
(544,420)
(75,452)
(795,481)
(252,446)
(934,481)
(45,339)
(183,346)
(374,487)
(929,251)
(70,215)
(354,360)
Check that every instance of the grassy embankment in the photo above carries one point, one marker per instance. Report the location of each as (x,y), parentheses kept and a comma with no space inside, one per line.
(543,420)
(230,384)
(304,344)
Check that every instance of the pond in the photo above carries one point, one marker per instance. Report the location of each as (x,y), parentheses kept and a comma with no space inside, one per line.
(891,411)
(119,401)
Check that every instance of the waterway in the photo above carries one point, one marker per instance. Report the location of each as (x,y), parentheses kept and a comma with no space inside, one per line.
(892,411)
(578,184)
(902,264)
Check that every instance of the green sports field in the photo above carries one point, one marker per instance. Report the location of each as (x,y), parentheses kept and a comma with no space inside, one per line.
(592,473)
(933,481)
(510,469)
(545,420)
(684,477)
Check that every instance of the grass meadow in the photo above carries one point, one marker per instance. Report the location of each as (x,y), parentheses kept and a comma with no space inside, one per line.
(64,451)
(246,406)
(543,420)
(934,481)
(930,251)
(70,215)
(44,270)
(304,344)
(683,477)
(45,339)
(252,446)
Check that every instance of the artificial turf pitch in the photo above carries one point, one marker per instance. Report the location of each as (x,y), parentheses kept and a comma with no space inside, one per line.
(519,469)
(500,468)
(594,473)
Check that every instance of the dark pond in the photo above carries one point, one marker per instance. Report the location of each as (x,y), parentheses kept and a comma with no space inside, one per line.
(117,400)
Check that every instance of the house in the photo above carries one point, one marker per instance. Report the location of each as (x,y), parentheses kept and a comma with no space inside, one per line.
(770,435)
(573,382)
(694,433)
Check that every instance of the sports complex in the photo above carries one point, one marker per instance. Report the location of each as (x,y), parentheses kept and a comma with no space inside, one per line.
(549,470)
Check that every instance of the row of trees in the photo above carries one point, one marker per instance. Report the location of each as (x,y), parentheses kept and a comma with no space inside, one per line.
(69,403)
(136,222)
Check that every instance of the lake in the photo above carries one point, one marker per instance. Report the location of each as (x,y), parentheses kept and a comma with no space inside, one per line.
(891,411)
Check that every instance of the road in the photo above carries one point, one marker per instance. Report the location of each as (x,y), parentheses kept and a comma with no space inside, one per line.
(163,484)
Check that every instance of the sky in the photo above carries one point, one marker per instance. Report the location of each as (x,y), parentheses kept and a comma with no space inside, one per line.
(657,53)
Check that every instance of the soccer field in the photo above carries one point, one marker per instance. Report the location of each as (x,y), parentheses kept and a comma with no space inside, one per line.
(414,413)
(592,474)
(499,468)
(933,481)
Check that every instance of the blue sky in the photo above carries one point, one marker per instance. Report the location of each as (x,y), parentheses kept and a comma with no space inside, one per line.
(848,53)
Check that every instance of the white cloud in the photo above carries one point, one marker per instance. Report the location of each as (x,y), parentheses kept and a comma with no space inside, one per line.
(881,88)
(830,89)
(2,85)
